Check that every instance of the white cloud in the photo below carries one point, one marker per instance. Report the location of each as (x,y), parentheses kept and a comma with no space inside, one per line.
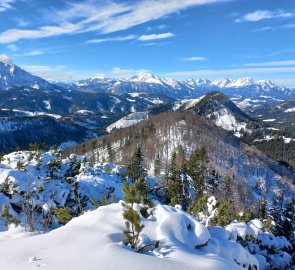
(5,58)
(274,63)
(53,73)
(102,16)
(13,35)
(12,47)
(231,72)
(155,36)
(33,53)
(194,58)
(118,72)
(285,82)
(6,4)
(259,15)
(122,38)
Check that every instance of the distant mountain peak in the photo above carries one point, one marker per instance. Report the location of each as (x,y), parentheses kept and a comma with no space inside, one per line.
(13,76)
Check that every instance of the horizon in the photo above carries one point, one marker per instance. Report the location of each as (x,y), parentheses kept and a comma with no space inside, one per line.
(213,39)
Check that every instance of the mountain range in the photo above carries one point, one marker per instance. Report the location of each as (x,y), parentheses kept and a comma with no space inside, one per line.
(245,92)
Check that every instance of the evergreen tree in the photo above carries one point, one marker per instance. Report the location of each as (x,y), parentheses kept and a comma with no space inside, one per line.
(133,226)
(197,169)
(8,187)
(21,166)
(175,187)
(135,168)
(63,215)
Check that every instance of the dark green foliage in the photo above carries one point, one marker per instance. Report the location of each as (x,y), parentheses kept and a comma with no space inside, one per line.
(197,169)
(21,166)
(199,205)
(63,215)
(8,187)
(8,218)
(133,226)
(175,185)
(135,168)
(225,214)
(136,192)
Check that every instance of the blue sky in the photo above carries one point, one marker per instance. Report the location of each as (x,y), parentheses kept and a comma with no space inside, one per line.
(68,40)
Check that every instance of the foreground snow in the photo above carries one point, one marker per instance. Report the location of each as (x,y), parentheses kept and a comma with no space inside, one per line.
(94,241)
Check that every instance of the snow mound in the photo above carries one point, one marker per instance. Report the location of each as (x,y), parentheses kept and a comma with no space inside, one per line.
(95,240)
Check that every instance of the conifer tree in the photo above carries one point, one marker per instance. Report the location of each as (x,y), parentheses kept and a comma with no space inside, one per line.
(8,187)
(175,187)
(133,226)
(135,168)
(197,169)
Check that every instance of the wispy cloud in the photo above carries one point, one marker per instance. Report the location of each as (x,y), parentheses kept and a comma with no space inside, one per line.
(120,38)
(5,58)
(118,72)
(259,15)
(12,47)
(194,58)
(101,16)
(272,64)
(231,72)
(155,36)
(6,4)
(53,73)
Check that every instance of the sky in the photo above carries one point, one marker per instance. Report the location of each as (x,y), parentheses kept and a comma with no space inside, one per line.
(71,40)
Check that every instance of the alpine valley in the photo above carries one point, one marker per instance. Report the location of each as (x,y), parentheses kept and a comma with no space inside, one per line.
(151,172)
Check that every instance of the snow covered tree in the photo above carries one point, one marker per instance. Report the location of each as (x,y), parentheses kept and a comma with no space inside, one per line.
(135,168)
(8,187)
(21,166)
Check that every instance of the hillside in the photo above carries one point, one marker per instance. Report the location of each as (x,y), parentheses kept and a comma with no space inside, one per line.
(163,134)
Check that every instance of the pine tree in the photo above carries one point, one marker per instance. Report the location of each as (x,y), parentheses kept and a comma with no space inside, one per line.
(8,187)
(21,166)
(63,215)
(133,226)
(175,186)
(197,169)
(135,168)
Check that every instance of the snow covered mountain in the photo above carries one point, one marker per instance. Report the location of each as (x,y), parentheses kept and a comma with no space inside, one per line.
(245,92)
(165,133)
(85,114)
(223,112)
(13,76)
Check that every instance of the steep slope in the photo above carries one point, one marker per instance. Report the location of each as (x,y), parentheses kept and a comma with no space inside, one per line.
(223,112)
(163,134)
(13,76)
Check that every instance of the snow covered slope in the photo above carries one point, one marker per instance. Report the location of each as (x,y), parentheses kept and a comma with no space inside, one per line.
(128,120)
(94,240)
